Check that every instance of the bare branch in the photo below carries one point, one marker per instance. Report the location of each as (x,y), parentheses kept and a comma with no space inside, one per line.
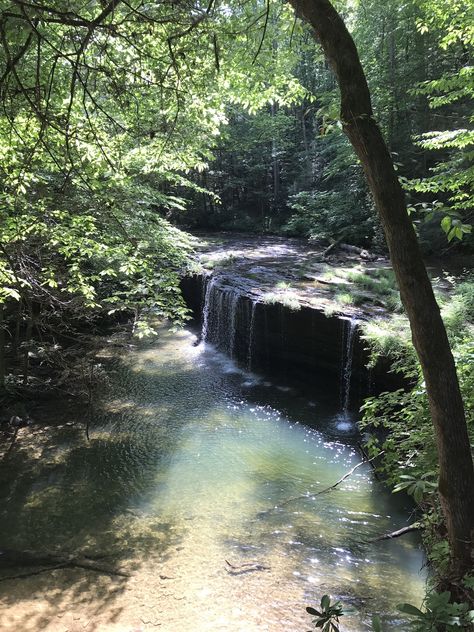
(267,15)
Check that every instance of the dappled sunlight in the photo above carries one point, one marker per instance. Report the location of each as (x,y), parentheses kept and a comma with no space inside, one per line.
(210,503)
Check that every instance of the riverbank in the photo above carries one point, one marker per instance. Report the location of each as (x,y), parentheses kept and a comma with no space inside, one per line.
(342,279)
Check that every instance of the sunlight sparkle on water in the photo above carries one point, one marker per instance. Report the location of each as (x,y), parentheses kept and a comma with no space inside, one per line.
(187,479)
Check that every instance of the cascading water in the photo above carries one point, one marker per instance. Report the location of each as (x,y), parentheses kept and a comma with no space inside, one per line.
(282,328)
(348,336)
(225,314)
(251,334)
(219,314)
(233,306)
(206,310)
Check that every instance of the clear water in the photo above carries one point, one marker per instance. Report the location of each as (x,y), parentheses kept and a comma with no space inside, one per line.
(187,484)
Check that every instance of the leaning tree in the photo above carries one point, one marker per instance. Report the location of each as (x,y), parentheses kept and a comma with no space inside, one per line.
(456,473)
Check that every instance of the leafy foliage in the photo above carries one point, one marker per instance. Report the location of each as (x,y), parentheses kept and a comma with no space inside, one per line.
(107,108)
(399,422)
(440,612)
(327,617)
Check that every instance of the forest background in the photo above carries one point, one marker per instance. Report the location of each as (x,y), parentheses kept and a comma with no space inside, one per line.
(120,120)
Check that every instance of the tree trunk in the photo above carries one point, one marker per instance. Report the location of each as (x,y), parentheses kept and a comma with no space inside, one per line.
(275,166)
(456,473)
(2,348)
(27,343)
(307,151)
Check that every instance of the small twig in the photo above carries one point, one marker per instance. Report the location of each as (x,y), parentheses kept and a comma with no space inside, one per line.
(327,489)
(32,573)
(396,534)
(267,15)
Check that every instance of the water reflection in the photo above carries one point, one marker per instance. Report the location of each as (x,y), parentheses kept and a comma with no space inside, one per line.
(201,480)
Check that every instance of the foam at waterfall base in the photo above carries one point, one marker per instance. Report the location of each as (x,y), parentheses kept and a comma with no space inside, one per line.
(345,423)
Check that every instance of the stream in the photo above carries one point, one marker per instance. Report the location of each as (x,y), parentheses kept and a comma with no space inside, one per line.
(188,483)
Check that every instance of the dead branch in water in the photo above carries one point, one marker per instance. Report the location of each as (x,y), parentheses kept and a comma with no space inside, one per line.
(51,562)
(396,534)
(363,451)
(328,489)
(247,567)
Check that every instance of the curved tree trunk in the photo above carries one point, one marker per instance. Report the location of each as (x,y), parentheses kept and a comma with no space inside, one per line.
(456,474)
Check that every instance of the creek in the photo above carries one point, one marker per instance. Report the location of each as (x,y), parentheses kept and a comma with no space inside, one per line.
(198,481)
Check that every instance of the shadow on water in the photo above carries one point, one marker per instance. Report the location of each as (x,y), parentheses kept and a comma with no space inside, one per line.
(63,495)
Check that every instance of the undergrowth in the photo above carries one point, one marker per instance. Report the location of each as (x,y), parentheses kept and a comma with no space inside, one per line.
(398,425)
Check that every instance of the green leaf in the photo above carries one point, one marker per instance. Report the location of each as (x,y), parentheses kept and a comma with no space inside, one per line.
(446,224)
(325,602)
(10,291)
(312,611)
(408,608)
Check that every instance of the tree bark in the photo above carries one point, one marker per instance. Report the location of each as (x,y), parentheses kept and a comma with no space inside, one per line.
(456,472)
(275,166)
(2,348)
(27,343)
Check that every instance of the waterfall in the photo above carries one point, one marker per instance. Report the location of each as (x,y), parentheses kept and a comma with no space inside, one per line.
(209,284)
(219,314)
(233,305)
(251,334)
(348,336)
(282,328)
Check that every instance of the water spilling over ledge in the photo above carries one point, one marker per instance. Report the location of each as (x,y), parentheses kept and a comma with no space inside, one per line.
(266,302)
(303,344)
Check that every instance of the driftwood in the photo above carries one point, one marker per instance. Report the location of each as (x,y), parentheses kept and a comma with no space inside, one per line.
(331,247)
(248,567)
(48,562)
(351,250)
(361,252)
(328,489)
(396,534)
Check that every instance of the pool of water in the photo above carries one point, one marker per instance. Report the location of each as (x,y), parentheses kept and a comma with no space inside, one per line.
(201,481)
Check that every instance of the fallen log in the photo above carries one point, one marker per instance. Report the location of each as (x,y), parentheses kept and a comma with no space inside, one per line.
(331,247)
(338,245)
